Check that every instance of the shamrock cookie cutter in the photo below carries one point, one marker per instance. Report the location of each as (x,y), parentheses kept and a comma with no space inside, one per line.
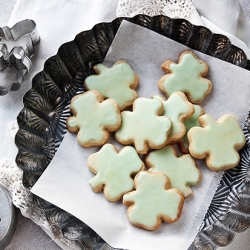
(18,57)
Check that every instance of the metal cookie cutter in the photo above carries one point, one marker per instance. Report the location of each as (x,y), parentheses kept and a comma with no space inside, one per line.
(19,56)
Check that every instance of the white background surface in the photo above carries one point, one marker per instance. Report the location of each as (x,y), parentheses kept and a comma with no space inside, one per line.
(30,236)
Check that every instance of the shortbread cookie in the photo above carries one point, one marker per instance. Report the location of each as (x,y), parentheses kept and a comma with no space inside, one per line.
(187,76)
(189,123)
(144,126)
(217,141)
(93,118)
(117,82)
(177,108)
(182,171)
(114,170)
(153,201)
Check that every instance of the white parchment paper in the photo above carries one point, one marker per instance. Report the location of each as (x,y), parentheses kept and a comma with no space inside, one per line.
(65,181)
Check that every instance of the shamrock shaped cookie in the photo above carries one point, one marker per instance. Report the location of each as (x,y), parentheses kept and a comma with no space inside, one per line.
(117,82)
(217,141)
(93,118)
(187,76)
(177,108)
(189,123)
(153,201)
(182,171)
(144,126)
(113,170)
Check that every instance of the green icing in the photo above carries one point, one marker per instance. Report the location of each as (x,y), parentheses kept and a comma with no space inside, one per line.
(114,83)
(152,201)
(182,171)
(186,78)
(176,108)
(144,127)
(114,170)
(189,123)
(217,141)
(92,117)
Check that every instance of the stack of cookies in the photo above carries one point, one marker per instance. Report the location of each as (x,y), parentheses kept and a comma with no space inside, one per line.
(147,173)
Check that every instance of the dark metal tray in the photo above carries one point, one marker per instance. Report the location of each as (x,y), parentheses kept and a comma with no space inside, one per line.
(46,108)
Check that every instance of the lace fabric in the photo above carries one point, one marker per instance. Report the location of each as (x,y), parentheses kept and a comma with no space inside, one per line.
(172,8)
